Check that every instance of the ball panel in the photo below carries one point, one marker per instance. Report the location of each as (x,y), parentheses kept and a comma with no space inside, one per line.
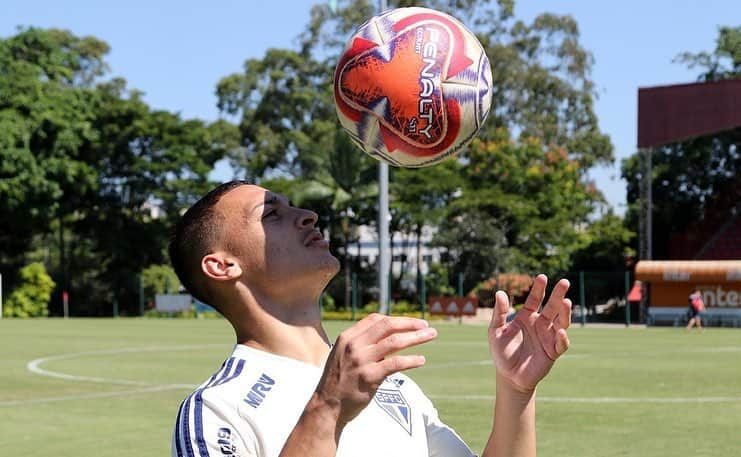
(483,90)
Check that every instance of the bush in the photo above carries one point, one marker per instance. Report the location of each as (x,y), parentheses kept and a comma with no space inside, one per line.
(188,314)
(159,279)
(328,303)
(516,285)
(404,307)
(437,281)
(361,313)
(156,314)
(31,297)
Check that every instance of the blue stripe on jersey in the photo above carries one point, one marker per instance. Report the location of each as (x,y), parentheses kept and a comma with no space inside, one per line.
(184,426)
(236,373)
(199,409)
(177,431)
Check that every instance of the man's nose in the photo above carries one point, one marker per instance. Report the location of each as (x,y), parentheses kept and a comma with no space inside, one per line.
(307,218)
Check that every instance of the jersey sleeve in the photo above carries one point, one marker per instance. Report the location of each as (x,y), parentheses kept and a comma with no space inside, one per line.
(442,440)
(202,429)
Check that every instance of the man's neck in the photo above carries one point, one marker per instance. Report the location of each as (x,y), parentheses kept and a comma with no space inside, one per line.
(291,330)
(304,345)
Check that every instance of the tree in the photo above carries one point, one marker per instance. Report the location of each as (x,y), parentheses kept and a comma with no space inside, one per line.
(724,62)
(89,170)
(543,91)
(696,183)
(419,198)
(520,210)
(46,111)
(159,279)
(606,245)
(149,164)
(287,121)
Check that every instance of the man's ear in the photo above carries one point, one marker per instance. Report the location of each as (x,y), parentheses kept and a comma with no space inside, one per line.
(220,266)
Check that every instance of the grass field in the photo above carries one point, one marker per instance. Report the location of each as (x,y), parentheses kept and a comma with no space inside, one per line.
(112,387)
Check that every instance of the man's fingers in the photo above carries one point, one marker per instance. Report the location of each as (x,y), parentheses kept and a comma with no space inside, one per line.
(501,309)
(389,325)
(537,292)
(399,341)
(395,364)
(562,341)
(362,325)
(555,301)
(563,320)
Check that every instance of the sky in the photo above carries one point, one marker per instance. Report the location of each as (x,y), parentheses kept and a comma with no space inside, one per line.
(176,51)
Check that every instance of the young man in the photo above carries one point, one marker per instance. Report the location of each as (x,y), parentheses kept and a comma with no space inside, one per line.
(287,391)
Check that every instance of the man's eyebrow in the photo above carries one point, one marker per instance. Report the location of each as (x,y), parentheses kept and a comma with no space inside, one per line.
(275,198)
(271,199)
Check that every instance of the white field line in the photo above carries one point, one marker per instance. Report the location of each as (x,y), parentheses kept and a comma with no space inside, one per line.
(657,353)
(35,367)
(658,400)
(484,362)
(124,393)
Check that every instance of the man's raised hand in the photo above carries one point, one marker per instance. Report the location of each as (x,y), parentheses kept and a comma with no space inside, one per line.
(364,355)
(524,350)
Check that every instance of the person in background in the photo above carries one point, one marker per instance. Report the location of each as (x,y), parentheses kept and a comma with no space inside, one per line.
(696,307)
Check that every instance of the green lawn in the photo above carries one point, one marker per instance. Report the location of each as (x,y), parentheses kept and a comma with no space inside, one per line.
(632,392)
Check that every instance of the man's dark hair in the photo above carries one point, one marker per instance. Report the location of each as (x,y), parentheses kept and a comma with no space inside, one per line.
(194,237)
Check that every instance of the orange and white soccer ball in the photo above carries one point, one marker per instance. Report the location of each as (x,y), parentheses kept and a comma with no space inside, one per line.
(413,87)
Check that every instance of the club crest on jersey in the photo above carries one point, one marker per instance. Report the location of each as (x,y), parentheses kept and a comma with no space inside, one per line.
(393,402)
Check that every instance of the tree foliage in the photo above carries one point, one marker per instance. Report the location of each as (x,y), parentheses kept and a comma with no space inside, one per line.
(512,201)
(519,210)
(46,114)
(92,178)
(606,246)
(87,168)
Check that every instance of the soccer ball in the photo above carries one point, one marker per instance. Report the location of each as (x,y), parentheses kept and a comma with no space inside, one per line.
(413,87)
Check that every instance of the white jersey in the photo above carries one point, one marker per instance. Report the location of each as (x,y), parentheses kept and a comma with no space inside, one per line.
(251,405)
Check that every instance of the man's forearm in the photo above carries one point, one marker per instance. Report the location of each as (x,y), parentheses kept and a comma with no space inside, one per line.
(513,433)
(316,433)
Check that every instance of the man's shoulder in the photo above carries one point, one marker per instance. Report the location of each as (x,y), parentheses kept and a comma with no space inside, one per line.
(405,385)
(228,379)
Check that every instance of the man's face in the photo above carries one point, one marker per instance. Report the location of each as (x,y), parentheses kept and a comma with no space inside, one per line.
(275,242)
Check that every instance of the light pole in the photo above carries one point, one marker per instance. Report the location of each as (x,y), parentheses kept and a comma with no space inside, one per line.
(384,251)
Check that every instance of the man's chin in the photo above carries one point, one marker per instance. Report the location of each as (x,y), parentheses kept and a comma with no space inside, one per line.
(332,266)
